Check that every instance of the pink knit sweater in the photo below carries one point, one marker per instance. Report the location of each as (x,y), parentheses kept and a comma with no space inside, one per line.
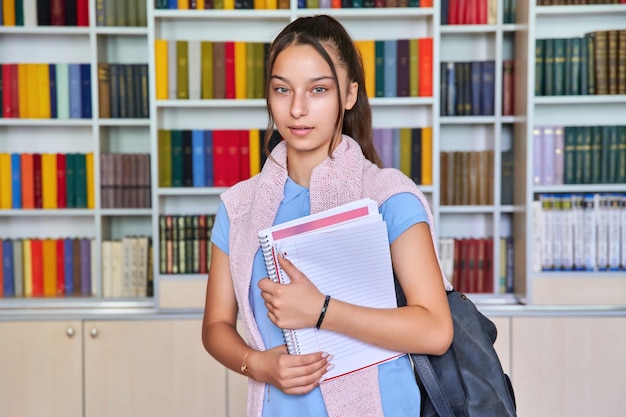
(252,205)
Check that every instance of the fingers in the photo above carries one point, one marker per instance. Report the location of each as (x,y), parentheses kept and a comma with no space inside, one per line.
(302,379)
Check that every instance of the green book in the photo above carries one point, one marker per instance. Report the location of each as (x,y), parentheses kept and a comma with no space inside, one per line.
(621,157)
(250,70)
(182,71)
(569,155)
(548,67)
(413,68)
(591,67)
(568,80)
(575,63)
(596,154)
(559,66)
(177,157)
(80,161)
(19,12)
(142,13)
(165,158)
(379,51)
(584,67)
(206,63)
(539,67)
(604,171)
(70,180)
(259,69)
(613,152)
(586,154)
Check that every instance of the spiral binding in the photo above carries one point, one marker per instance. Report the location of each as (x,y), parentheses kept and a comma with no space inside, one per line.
(275,274)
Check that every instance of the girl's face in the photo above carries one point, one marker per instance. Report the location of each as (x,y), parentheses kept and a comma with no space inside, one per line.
(303,98)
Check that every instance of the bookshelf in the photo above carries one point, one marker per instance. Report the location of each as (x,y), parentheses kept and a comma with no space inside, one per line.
(497,41)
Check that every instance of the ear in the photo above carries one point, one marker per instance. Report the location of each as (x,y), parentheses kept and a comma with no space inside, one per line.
(351,97)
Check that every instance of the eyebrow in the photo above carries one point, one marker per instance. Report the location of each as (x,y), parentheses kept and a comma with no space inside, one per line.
(320,78)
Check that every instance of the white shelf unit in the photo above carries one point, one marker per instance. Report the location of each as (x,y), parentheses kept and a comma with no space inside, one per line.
(539,22)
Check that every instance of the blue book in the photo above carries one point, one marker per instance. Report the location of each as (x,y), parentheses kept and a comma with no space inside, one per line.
(16,180)
(451,90)
(208,157)
(391,55)
(52,72)
(85,92)
(68,266)
(7,268)
(476,76)
(75,91)
(488,87)
(63,90)
(85,266)
(197,158)
(172,4)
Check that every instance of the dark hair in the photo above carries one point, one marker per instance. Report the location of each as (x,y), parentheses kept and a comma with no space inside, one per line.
(314,31)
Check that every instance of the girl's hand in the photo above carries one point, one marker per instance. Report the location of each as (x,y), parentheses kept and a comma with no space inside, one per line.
(292,374)
(295,305)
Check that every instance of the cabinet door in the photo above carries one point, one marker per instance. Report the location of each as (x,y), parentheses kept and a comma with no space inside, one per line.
(569,366)
(150,368)
(41,368)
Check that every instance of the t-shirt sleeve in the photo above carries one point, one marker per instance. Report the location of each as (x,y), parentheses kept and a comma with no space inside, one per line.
(221,229)
(402,211)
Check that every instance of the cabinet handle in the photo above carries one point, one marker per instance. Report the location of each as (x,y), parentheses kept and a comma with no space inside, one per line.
(94,332)
(70,332)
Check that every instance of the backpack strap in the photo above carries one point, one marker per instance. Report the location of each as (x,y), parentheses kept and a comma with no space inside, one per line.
(426,376)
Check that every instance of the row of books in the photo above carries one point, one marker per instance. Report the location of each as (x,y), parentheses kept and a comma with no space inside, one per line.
(592,64)
(185,243)
(579,232)
(44,91)
(468,88)
(579,155)
(121,13)
(284,4)
(572,2)
(470,12)
(44,13)
(466,178)
(127,267)
(46,180)
(34,267)
(123,91)
(408,149)
(469,264)
(125,180)
(194,69)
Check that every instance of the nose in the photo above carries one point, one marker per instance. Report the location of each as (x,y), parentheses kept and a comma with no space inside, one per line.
(298,105)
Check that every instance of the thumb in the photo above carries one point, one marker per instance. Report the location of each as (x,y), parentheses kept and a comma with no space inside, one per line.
(289,268)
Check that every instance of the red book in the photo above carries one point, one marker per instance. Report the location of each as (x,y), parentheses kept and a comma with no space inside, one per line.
(36,246)
(453,6)
(37,180)
(482,11)
(244,155)
(82,12)
(219,158)
(426,3)
(10,103)
(60,243)
(507,88)
(61,182)
(229,68)
(489,265)
(425,62)
(232,159)
(57,12)
(28,181)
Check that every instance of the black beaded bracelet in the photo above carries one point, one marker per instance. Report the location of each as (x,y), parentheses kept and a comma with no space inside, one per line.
(323,313)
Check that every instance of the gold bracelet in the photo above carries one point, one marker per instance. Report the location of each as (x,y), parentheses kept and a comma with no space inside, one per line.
(244,366)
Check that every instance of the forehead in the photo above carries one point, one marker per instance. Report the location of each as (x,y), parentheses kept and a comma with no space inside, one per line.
(308,52)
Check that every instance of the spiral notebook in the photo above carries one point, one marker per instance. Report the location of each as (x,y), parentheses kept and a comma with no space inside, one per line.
(345,252)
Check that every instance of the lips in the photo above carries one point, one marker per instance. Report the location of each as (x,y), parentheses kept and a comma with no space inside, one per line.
(300,130)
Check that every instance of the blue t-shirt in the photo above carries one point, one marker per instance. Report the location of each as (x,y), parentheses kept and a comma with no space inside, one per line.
(399,392)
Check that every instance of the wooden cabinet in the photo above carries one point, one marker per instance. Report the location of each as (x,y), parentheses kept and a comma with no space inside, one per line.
(116,368)
(569,366)
(41,368)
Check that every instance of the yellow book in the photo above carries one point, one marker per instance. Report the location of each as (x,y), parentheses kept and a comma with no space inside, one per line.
(229,4)
(22,90)
(8,12)
(200,4)
(91,191)
(183,5)
(427,156)
(49,180)
(259,4)
(28,267)
(271,4)
(413,68)
(240,70)
(43,93)
(6,197)
(255,151)
(250,69)
(405,151)
(160,62)
(32,74)
(206,63)
(368,55)
(49,249)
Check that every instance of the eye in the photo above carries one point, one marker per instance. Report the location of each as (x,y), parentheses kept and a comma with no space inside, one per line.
(281,90)
(319,89)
